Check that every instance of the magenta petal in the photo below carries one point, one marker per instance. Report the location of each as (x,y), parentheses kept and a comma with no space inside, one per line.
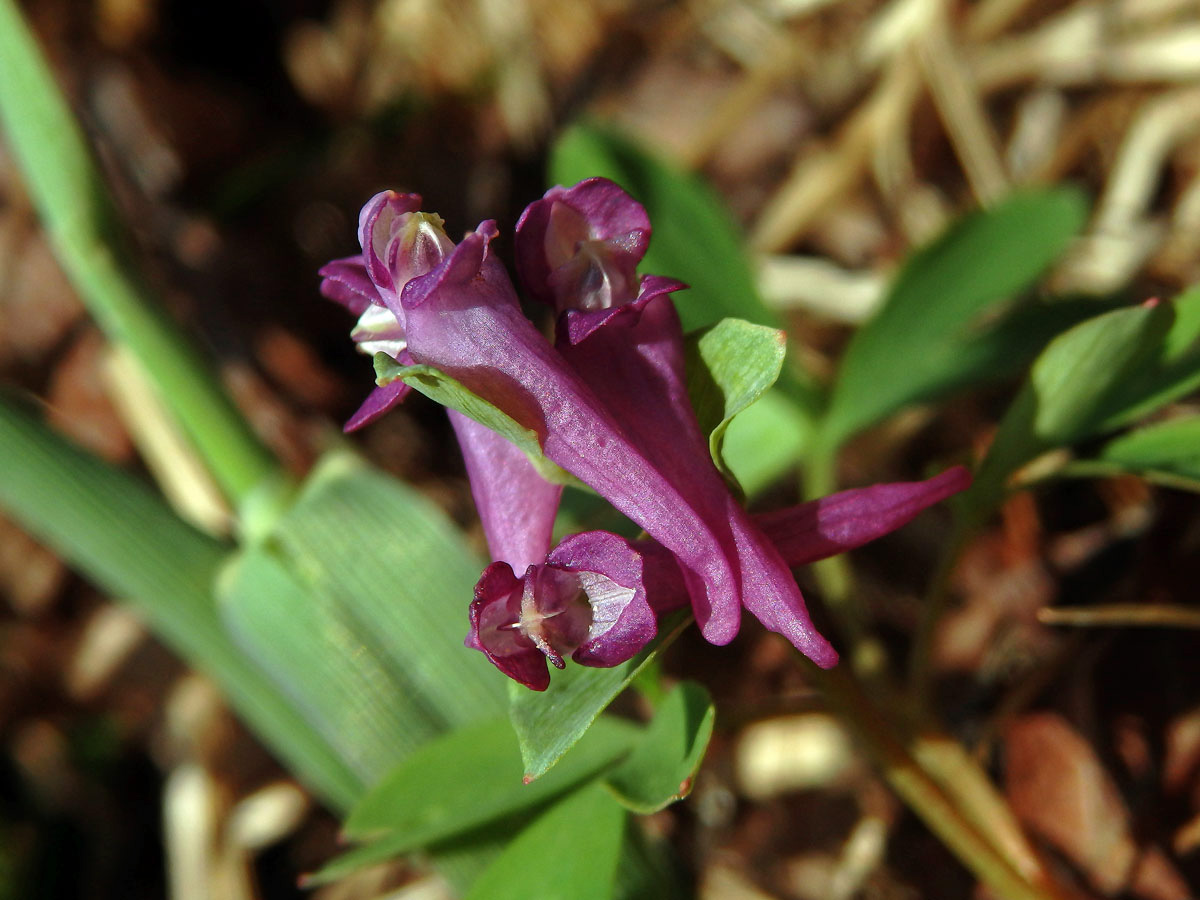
(494,612)
(375,230)
(843,521)
(346,281)
(609,572)
(378,402)
(634,360)
(516,505)
(575,325)
(464,319)
(580,246)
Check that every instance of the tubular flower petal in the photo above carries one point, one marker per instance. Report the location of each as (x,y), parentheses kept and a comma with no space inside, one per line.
(831,525)
(623,619)
(516,505)
(633,357)
(818,529)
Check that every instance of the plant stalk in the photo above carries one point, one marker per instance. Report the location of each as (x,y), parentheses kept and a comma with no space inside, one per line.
(921,791)
(80,218)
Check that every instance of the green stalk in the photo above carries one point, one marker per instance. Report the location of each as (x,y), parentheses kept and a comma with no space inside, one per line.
(933,607)
(921,791)
(80,218)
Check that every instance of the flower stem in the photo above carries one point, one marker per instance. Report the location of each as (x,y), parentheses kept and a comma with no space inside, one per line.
(81,220)
(920,660)
(920,789)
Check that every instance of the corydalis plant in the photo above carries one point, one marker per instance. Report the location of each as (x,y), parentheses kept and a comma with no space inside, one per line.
(607,402)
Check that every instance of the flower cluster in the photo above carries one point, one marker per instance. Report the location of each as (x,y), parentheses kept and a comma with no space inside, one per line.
(607,402)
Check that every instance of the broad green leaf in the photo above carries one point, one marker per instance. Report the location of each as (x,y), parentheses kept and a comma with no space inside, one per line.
(443,389)
(110,527)
(946,299)
(730,365)
(472,776)
(662,765)
(549,722)
(695,239)
(1168,452)
(1079,375)
(341,606)
(460,859)
(570,852)
(327,662)
(646,868)
(1174,373)
(649,868)
(1070,392)
(765,442)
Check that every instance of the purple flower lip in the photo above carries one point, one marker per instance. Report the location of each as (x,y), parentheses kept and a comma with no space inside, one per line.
(399,243)
(587,601)
(579,247)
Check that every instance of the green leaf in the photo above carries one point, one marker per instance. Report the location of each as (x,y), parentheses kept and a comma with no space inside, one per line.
(1168,452)
(695,239)
(730,365)
(1174,373)
(549,722)
(342,607)
(81,220)
(443,389)
(1070,392)
(765,442)
(122,537)
(326,662)
(472,776)
(944,300)
(661,767)
(570,852)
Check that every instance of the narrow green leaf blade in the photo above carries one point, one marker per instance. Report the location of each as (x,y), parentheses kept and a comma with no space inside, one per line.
(443,389)
(1165,451)
(548,723)
(460,859)
(1174,374)
(78,213)
(661,767)
(940,303)
(1070,392)
(570,852)
(730,365)
(470,777)
(117,533)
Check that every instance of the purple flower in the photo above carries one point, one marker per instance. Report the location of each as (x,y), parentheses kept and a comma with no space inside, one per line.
(579,247)
(587,600)
(619,623)
(399,243)
(607,403)
(612,410)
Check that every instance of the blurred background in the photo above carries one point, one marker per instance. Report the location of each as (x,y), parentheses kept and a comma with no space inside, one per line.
(243,137)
